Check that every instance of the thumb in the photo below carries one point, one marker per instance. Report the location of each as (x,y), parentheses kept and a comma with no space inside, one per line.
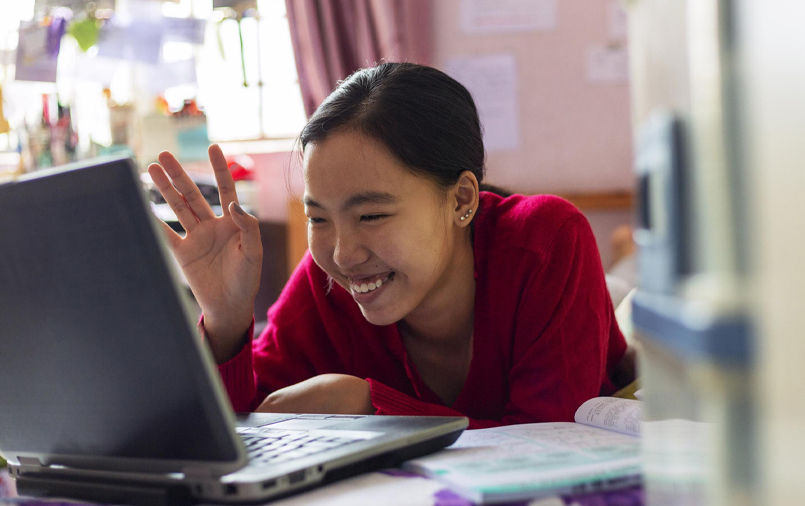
(250,230)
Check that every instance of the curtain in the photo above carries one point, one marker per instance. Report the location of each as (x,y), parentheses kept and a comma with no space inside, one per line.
(333,38)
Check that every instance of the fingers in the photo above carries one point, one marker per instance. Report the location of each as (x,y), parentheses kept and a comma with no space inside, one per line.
(186,187)
(250,226)
(174,199)
(226,185)
(174,239)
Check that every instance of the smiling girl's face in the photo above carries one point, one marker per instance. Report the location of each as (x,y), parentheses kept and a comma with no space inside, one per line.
(383,233)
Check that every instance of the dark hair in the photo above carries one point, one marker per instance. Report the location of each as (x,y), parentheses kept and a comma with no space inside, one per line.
(426,118)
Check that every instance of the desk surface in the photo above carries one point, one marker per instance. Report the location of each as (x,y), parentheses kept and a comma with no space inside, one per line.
(394,487)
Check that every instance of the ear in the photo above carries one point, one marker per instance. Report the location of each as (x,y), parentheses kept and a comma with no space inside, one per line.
(464,196)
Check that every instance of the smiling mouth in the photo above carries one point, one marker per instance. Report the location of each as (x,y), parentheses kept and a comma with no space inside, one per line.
(370,284)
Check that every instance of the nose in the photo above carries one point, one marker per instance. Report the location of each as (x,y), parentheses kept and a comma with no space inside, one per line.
(349,250)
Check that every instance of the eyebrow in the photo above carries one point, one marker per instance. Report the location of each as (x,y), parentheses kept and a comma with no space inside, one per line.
(358,199)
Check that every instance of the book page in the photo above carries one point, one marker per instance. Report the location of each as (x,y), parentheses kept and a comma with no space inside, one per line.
(611,413)
(529,460)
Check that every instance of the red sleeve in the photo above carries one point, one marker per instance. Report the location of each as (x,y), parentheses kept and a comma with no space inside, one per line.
(237,374)
(293,347)
(566,342)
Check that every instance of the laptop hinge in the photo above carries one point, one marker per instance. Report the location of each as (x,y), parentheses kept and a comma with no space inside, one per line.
(29,463)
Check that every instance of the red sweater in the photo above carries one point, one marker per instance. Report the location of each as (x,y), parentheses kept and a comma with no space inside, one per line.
(544,338)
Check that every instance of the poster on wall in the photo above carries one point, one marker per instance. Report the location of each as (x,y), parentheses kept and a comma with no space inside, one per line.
(96,69)
(189,30)
(608,64)
(35,60)
(492,81)
(165,75)
(502,16)
(136,41)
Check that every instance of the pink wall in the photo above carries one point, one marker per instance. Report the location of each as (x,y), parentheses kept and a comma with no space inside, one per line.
(575,135)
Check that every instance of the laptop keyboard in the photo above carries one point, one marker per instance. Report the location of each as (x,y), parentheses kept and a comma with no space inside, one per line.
(275,446)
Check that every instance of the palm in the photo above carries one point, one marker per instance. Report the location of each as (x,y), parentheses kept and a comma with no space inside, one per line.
(220,256)
(216,267)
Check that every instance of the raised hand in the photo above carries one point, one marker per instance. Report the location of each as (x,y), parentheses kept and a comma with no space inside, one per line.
(221,256)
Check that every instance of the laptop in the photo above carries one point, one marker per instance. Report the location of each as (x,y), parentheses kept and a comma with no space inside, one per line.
(108,394)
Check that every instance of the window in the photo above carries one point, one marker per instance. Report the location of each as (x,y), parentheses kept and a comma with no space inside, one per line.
(249,89)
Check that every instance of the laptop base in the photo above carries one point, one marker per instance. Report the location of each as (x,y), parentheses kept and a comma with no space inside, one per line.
(110,491)
(105,492)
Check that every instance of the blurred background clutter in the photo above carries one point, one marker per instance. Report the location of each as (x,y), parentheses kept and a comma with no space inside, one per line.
(80,79)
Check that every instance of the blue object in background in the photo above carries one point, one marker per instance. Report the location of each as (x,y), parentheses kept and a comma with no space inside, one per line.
(193,143)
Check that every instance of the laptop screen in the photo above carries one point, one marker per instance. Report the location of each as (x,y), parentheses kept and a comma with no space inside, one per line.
(97,357)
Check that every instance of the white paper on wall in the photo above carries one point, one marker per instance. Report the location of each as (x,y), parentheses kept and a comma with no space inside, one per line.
(499,16)
(160,77)
(34,63)
(136,41)
(618,21)
(492,80)
(608,64)
(96,69)
(190,30)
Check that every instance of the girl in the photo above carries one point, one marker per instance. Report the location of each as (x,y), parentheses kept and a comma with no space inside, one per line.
(420,294)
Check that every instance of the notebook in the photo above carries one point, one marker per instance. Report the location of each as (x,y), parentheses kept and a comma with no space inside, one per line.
(519,462)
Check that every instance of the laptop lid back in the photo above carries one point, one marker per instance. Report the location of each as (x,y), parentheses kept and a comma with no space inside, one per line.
(100,366)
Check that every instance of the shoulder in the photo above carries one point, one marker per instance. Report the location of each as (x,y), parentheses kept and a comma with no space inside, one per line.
(529,223)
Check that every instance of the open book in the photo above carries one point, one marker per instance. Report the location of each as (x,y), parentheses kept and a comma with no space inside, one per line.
(519,462)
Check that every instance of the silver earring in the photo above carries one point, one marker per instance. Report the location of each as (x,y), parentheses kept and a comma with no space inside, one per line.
(469,212)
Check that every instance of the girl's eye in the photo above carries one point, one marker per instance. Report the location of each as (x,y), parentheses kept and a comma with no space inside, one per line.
(373,217)
(314,221)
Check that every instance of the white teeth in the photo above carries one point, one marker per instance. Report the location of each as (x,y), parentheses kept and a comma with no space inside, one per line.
(363,288)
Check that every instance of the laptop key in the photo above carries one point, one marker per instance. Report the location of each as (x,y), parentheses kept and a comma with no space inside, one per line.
(320,446)
(289,447)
